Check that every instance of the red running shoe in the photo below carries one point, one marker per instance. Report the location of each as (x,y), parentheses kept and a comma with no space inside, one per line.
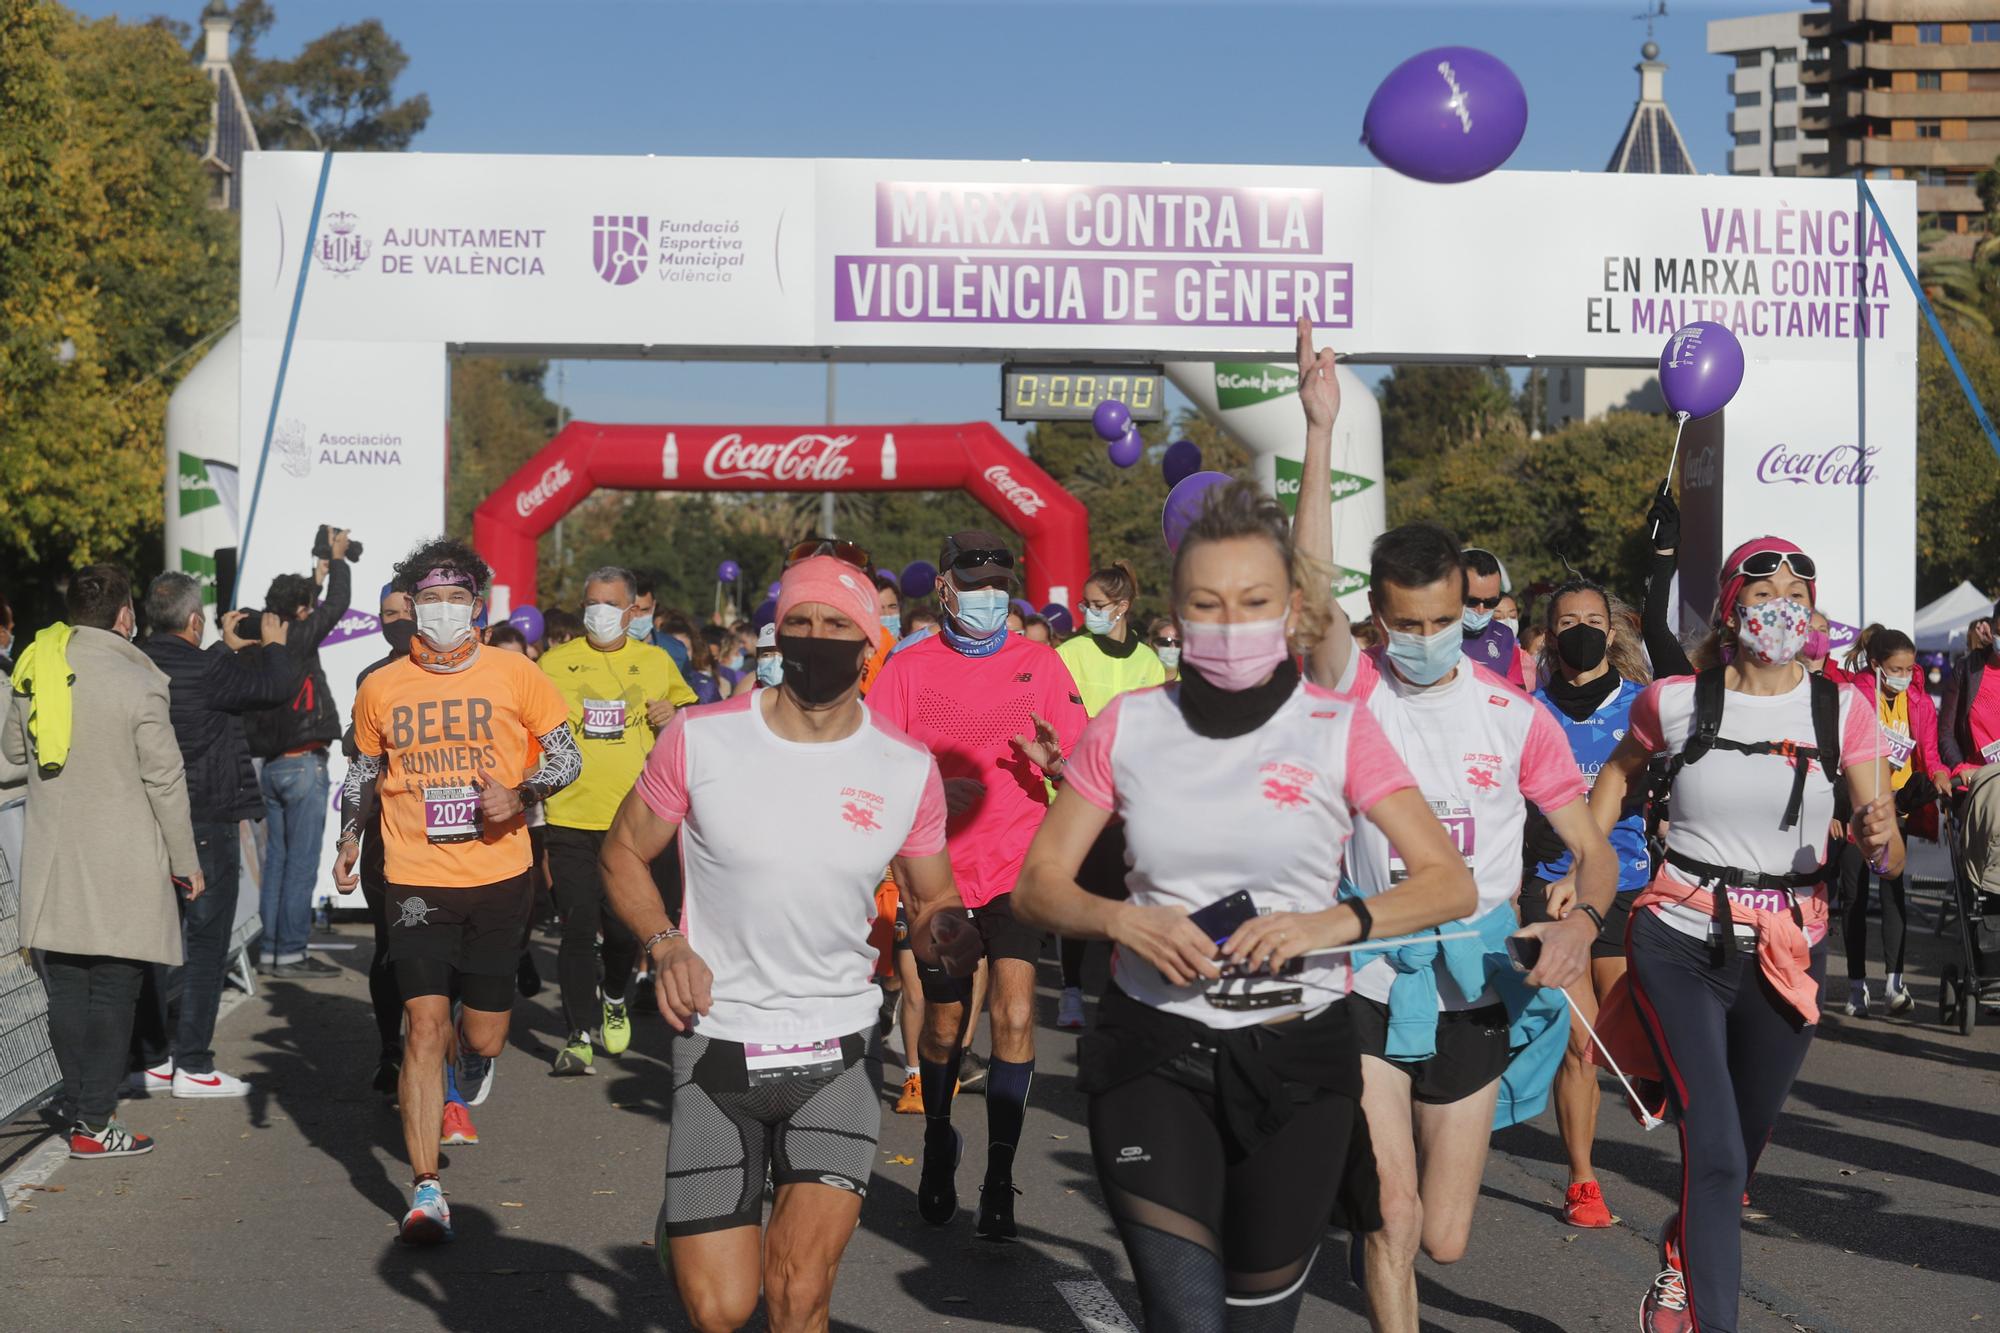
(1584,1206)
(1670,1244)
(114,1140)
(1665,1308)
(457,1126)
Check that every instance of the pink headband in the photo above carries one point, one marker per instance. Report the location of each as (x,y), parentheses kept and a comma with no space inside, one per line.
(448,578)
(828,579)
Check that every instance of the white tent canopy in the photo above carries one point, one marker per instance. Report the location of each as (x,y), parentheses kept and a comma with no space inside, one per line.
(1940,627)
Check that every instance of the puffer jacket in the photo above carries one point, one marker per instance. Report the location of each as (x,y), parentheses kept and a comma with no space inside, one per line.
(208,691)
(310,716)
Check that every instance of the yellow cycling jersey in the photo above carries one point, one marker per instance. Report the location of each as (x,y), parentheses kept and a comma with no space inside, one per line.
(607,694)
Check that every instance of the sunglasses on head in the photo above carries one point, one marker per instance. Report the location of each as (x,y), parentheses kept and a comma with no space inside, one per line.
(854,555)
(975,558)
(1764,564)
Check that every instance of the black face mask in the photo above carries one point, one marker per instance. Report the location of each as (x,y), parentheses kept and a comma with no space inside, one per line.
(1581,647)
(399,633)
(818,671)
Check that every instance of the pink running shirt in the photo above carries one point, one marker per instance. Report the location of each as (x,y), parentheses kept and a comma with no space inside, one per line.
(967,711)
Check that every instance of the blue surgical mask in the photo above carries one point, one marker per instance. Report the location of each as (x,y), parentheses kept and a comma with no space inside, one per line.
(1170,658)
(1477,618)
(894,624)
(1097,621)
(1426,659)
(981,612)
(770,670)
(641,629)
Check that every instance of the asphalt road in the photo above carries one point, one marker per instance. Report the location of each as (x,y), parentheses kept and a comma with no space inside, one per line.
(1877,1207)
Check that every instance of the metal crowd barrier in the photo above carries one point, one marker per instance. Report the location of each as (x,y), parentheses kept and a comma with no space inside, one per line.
(29,1076)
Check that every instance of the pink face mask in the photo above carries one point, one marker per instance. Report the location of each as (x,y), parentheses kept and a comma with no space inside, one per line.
(1773,632)
(1235,656)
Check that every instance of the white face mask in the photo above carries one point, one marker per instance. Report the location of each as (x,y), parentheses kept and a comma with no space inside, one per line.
(1513,626)
(1896,683)
(444,625)
(604,624)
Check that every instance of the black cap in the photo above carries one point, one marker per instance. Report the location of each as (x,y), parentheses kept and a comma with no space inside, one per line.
(977,558)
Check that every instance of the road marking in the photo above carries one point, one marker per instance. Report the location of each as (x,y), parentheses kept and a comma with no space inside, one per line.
(1095,1307)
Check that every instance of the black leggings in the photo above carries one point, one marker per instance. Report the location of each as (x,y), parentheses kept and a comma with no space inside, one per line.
(1216,1244)
(1731,1048)
(1854,875)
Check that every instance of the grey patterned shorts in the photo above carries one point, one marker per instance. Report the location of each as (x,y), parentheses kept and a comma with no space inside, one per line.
(732,1128)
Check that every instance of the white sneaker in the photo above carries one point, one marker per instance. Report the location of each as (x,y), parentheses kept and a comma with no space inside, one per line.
(214,1083)
(146,1082)
(1069,1010)
(1857,1000)
(1900,1001)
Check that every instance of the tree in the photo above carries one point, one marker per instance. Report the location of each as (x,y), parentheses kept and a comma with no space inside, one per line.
(337,93)
(500,418)
(111,269)
(1427,410)
(1958,478)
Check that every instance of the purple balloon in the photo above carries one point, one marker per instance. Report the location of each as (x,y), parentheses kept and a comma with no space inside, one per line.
(528,620)
(1701,369)
(766,612)
(773,590)
(1127,448)
(728,571)
(1059,618)
(1184,504)
(919,580)
(887,575)
(1181,461)
(1111,420)
(1023,605)
(1446,115)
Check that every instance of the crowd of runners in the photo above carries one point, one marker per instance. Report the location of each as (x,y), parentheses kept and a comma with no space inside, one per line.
(1372,890)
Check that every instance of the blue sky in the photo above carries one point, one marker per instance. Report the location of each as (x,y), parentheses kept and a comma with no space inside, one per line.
(1110,80)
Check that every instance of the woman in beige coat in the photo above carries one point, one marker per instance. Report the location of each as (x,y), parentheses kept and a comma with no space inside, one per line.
(107,838)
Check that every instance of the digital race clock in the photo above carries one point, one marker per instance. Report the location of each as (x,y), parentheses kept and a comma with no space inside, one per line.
(1072,393)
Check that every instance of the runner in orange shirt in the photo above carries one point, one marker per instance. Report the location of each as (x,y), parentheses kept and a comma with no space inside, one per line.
(453,742)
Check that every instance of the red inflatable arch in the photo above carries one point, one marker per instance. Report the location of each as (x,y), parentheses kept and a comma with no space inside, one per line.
(584,456)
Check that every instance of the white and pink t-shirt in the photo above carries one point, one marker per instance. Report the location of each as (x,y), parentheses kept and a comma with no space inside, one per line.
(1268,812)
(1727,806)
(782,848)
(1480,750)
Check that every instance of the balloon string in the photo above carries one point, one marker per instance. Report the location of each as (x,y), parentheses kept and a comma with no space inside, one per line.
(1666,486)
(1646,1118)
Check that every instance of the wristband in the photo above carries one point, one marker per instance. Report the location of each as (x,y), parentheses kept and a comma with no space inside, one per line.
(1592,912)
(670,933)
(1363,915)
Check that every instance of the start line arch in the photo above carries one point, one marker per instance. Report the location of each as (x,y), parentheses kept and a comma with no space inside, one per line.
(588,456)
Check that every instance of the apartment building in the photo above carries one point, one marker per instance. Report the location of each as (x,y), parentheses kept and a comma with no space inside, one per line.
(1769,102)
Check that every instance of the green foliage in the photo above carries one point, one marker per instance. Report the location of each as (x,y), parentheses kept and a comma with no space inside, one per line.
(1958,477)
(341,85)
(111,266)
(499,419)
(1432,410)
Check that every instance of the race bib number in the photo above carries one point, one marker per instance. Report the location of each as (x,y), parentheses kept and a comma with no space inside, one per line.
(451,814)
(603,719)
(1900,745)
(774,1064)
(1991,753)
(1459,826)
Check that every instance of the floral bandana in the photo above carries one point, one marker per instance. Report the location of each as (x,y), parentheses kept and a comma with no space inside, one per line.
(1773,632)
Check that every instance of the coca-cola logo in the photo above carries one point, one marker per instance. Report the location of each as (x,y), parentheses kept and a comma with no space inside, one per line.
(1023,498)
(553,480)
(1840,465)
(810,457)
(1700,472)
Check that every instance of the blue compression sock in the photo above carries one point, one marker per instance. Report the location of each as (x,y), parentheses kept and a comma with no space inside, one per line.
(1007,1084)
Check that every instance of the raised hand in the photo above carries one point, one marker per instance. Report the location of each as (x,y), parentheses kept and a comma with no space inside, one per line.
(1319,387)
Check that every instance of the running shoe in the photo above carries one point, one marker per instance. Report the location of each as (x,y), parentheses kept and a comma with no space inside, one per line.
(1069,1010)
(429,1220)
(114,1140)
(937,1188)
(1583,1206)
(996,1210)
(616,1034)
(475,1076)
(214,1083)
(574,1057)
(912,1100)
(527,977)
(1670,1244)
(1899,1000)
(308,968)
(1665,1307)
(146,1082)
(457,1130)
(972,1073)
(1857,1000)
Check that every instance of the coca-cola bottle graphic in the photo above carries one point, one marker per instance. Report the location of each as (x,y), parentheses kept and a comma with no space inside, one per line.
(888,457)
(670,459)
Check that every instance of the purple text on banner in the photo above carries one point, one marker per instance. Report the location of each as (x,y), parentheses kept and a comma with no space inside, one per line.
(945,215)
(1167,293)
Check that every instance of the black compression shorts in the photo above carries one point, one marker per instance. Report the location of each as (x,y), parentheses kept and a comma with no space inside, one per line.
(1472,1049)
(1610,941)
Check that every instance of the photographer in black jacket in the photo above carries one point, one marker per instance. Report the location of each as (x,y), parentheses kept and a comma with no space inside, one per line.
(292,740)
(207,691)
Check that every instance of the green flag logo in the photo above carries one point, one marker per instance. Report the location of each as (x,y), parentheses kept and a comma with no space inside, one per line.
(1243,383)
(1347,580)
(201,566)
(196,492)
(1290,473)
